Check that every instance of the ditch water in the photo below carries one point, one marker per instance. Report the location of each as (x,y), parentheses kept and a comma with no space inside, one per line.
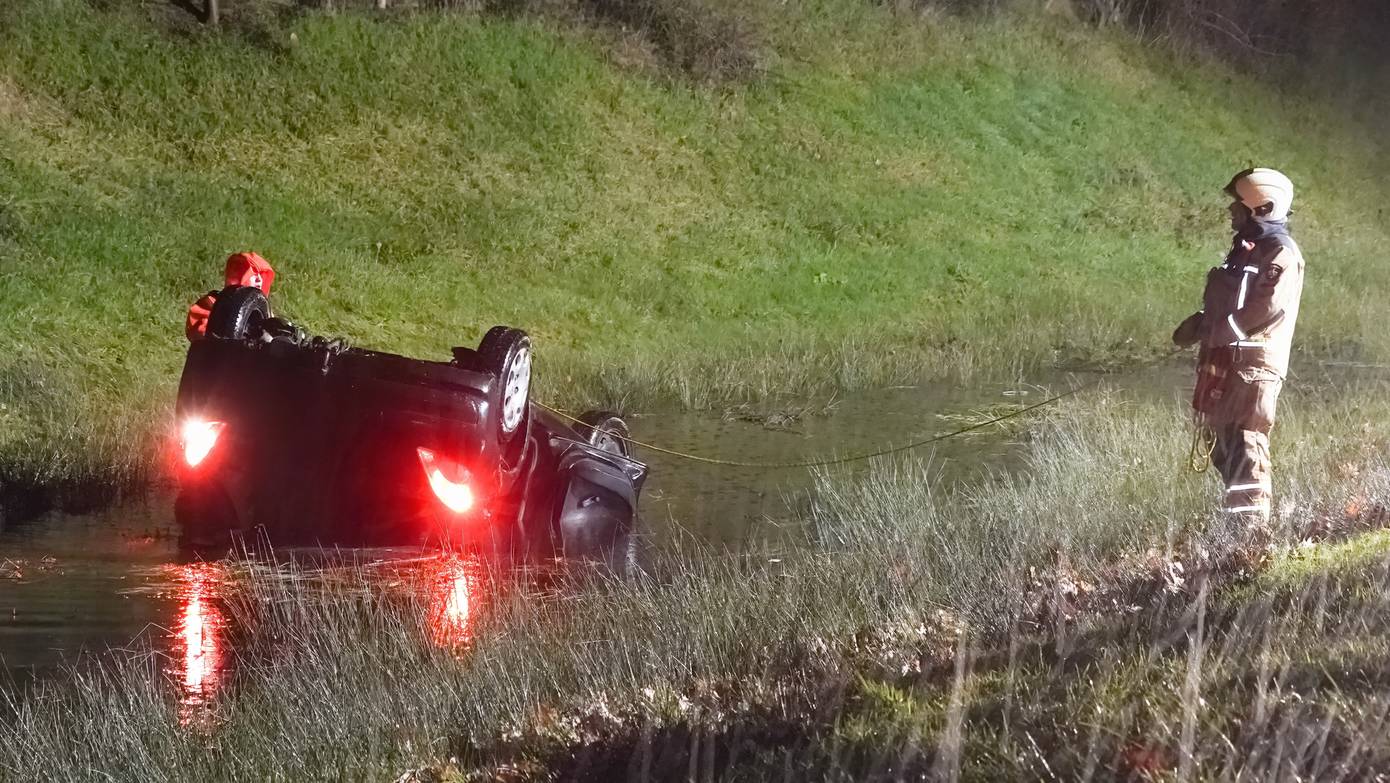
(114,580)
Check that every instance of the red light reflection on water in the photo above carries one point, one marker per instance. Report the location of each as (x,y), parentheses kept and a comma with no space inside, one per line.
(198,654)
(454,592)
(452,589)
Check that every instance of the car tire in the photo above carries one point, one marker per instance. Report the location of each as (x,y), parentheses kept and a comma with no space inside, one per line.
(506,354)
(606,431)
(238,313)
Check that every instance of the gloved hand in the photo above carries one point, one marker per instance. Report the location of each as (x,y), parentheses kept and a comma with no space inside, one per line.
(1189,331)
(196,325)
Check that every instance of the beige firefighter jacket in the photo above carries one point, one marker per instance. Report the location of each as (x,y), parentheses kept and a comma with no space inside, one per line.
(1251,303)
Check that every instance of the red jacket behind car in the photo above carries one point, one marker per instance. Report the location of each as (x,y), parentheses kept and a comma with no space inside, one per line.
(242,269)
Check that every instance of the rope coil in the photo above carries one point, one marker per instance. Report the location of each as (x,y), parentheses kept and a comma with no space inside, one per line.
(1203,446)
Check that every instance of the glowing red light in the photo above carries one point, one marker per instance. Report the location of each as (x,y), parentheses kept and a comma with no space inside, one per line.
(199,645)
(456,496)
(198,438)
(455,591)
(199,637)
(456,605)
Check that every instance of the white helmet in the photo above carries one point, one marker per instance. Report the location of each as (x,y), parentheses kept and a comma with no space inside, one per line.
(1265,192)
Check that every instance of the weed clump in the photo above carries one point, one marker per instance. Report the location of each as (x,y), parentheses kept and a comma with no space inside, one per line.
(957,7)
(710,41)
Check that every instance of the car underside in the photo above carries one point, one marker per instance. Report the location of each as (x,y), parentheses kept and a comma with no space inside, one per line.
(304,440)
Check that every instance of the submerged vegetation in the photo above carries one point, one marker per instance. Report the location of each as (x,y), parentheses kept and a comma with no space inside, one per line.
(704,203)
(1064,621)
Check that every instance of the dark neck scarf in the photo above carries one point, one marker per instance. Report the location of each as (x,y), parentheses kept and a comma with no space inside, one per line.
(1254,232)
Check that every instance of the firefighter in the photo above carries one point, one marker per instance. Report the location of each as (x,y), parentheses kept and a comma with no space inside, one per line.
(242,269)
(1245,329)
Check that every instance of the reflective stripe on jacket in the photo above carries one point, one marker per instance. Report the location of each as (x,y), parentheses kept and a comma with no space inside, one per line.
(1251,302)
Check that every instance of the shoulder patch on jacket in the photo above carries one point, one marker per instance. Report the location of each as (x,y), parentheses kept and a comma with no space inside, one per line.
(1274,261)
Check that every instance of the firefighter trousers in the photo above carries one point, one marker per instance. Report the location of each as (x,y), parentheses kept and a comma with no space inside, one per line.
(1241,453)
(1241,456)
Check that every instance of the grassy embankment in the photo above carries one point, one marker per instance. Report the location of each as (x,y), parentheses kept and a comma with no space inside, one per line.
(866,197)
(1033,626)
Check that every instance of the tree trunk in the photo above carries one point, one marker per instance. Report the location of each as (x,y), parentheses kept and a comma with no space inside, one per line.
(381,5)
(211,12)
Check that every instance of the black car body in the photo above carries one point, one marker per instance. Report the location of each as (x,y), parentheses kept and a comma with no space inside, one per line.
(305,440)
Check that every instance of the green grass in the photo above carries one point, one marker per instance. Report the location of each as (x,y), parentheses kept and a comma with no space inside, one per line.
(1003,628)
(897,197)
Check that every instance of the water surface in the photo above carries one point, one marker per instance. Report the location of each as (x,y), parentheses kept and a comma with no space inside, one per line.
(116,579)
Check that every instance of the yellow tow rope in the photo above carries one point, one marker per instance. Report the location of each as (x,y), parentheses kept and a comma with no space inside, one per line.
(1203,445)
(825,462)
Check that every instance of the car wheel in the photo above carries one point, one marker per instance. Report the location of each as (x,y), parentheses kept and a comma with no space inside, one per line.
(606,431)
(238,313)
(506,353)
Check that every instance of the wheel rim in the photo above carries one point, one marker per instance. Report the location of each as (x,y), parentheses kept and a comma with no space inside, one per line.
(607,438)
(604,441)
(517,384)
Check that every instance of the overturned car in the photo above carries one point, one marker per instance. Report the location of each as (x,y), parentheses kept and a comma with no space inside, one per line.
(307,440)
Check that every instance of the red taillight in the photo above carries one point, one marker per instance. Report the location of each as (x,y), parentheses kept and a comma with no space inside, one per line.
(198,437)
(454,493)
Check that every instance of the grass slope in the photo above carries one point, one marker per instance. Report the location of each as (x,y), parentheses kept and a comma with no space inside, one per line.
(898,197)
